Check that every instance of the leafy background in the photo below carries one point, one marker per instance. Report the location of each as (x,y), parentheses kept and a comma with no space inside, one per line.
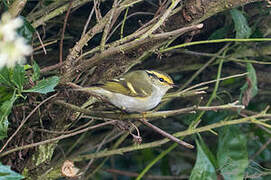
(230,143)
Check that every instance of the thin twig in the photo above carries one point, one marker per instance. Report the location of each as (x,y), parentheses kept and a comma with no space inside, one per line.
(96,7)
(123,21)
(24,120)
(214,41)
(165,134)
(115,146)
(56,139)
(64,132)
(137,138)
(139,33)
(42,45)
(108,25)
(98,149)
(88,21)
(261,149)
(204,66)
(227,58)
(90,34)
(63,32)
(213,81)
(162,19)
(60,10)
(50,68)
(153,115)
(179,134)
(114,50)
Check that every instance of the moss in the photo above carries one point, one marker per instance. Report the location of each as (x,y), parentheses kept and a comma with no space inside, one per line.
(44,154)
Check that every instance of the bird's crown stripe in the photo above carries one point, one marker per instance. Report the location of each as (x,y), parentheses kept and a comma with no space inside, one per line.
(159,75)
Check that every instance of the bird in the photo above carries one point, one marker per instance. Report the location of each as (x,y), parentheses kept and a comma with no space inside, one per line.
(135,91)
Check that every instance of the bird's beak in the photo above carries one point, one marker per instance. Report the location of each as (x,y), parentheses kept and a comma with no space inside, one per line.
(173,85)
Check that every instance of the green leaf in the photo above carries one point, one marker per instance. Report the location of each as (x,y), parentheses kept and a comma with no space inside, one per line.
(5,76)
(249,89)
(220,33)
(232,153)
(19,76)
(36,72)
(5,94)
(26,30)
(27,66)
(214,117)
(5,109)
(7,174)
(6,5)
(207,151)
(240,24)
(4,128)
(164,166)
(203,169)
(45,86)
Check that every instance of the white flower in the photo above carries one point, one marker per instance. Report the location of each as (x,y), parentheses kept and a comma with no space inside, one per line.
(3,59)
(8,27)
(14,52)
(13,47)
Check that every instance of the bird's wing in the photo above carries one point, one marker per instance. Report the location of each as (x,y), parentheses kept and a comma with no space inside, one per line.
(124,88)
(136,88)
(116,87)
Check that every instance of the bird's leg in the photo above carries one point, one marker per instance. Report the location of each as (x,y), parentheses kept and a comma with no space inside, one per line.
(144,114)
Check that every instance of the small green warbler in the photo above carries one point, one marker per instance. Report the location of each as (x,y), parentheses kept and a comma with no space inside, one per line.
(136,91)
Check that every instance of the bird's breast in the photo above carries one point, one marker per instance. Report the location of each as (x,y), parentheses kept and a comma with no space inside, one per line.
(130,103)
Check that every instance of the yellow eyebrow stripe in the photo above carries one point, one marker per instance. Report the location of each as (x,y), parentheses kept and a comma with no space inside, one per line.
(159,75)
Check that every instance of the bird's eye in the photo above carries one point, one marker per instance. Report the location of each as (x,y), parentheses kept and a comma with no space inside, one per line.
(161,80)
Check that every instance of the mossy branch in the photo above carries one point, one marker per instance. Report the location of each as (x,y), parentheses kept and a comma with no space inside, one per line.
(149,114)
(252,119)
(16,8)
